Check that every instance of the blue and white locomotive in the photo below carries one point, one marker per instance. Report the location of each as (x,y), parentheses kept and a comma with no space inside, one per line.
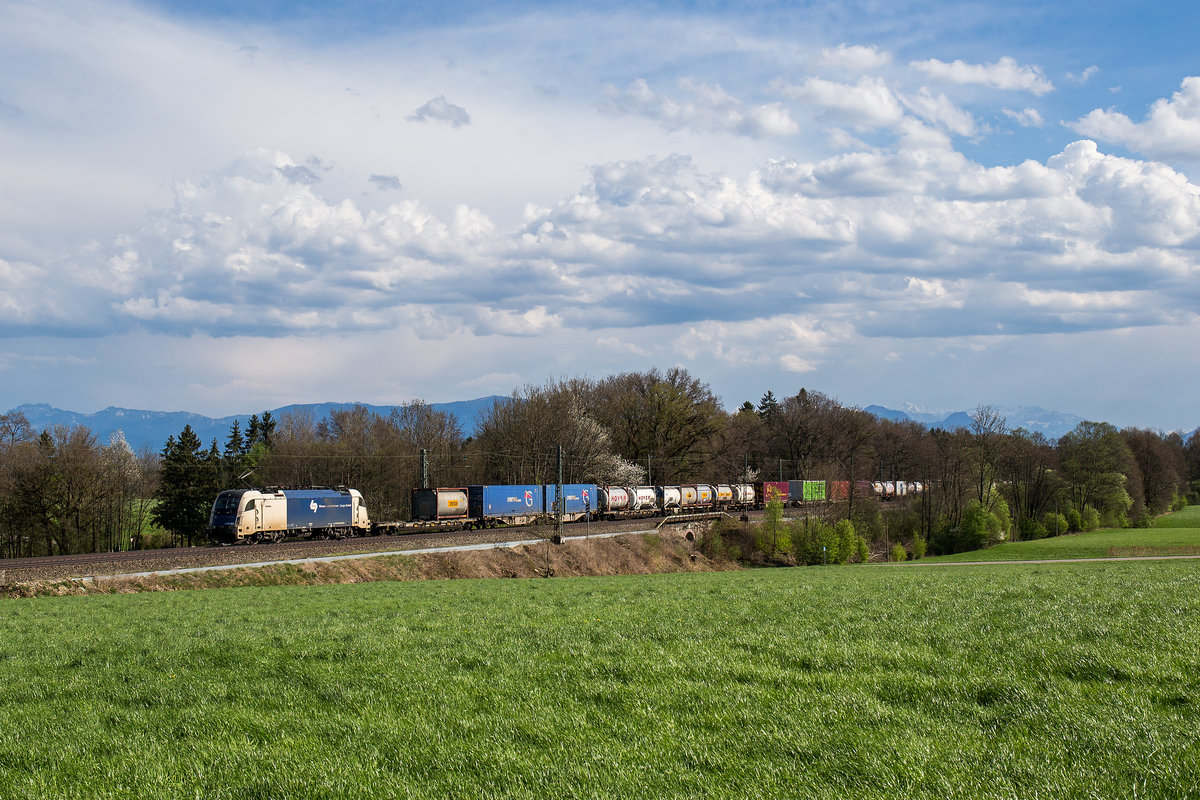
(253,515)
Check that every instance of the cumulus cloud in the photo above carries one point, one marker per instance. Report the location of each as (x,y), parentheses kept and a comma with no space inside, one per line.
(439,109)
(865,105)
(297,173)
(940,111)
(708,108)
(1026,118)
(386,183)
(858,241)
(1084,76)
(855,58)
(533,322)
(1170,130)
(1004,74)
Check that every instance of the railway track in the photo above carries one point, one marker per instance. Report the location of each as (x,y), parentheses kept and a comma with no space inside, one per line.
(82,565)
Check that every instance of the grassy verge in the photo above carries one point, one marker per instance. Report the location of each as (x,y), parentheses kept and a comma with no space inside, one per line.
(1056,681)
(1173,534)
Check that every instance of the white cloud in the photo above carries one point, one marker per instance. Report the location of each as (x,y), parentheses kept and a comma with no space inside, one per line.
(439,109)
(791,362)
(743,212)
(710,109)
(855,58)
(1084,76)
(1170,130)
(386,183)
(940,111)
(1026,118)
(1004,74)
(864,105)
(535,321)
(861,239)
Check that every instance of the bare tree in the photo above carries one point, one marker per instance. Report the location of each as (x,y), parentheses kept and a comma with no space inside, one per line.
(518,438)
(1159,476)
(668,417)
(1028,468)
(988,436)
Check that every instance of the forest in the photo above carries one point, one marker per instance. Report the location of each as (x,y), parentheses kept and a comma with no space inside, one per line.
(62,491)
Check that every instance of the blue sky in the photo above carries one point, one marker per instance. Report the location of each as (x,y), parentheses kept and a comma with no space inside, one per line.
(233,206)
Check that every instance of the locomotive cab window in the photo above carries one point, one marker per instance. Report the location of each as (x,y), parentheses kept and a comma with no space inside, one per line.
(227,503)
(250,505)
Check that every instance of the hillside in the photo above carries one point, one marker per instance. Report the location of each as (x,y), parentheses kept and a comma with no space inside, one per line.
(1052,424)
(149,430)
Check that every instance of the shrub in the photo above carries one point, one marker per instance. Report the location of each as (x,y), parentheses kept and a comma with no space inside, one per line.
(1179,503)
(1032,529)
(899,553)
(806,536)
(979,528)
(1056,524)
(999,509)
(157,539)
(844,537)
(828,548)
(918,547)
(868,519)
(1113,518)
(1074,520)
(772,534)
(1091,519)
(728,538)
(864,551)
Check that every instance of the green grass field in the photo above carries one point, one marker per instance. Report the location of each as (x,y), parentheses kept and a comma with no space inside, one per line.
(1060,681)
(1173,534)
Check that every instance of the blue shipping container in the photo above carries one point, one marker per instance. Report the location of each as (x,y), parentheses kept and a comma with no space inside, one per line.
(316,508)
(504,501)
(581,497)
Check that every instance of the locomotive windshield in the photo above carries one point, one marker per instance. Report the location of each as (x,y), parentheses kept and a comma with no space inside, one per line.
(227,503)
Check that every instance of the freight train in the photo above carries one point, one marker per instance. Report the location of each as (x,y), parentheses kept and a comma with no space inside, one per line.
(268,515)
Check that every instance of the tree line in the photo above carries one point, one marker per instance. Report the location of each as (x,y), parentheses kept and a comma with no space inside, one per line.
(61,491)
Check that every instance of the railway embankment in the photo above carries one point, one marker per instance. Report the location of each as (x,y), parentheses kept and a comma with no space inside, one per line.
(631,554)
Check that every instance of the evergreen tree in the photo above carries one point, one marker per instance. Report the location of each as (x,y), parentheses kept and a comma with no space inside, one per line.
(768,406)
(185,493)
(260,430)
(233,463)
(235,445)
(266,429)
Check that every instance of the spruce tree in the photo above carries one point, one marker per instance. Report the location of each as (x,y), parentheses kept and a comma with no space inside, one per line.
(185,492)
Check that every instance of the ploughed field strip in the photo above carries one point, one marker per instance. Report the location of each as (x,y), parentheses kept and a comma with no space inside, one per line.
(83,565)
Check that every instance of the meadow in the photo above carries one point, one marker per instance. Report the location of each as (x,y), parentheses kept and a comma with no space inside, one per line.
(1172,534)
(1056,681)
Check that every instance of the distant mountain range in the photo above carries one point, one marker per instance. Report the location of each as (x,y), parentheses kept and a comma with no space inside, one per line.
(149,429)
(1052,424)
